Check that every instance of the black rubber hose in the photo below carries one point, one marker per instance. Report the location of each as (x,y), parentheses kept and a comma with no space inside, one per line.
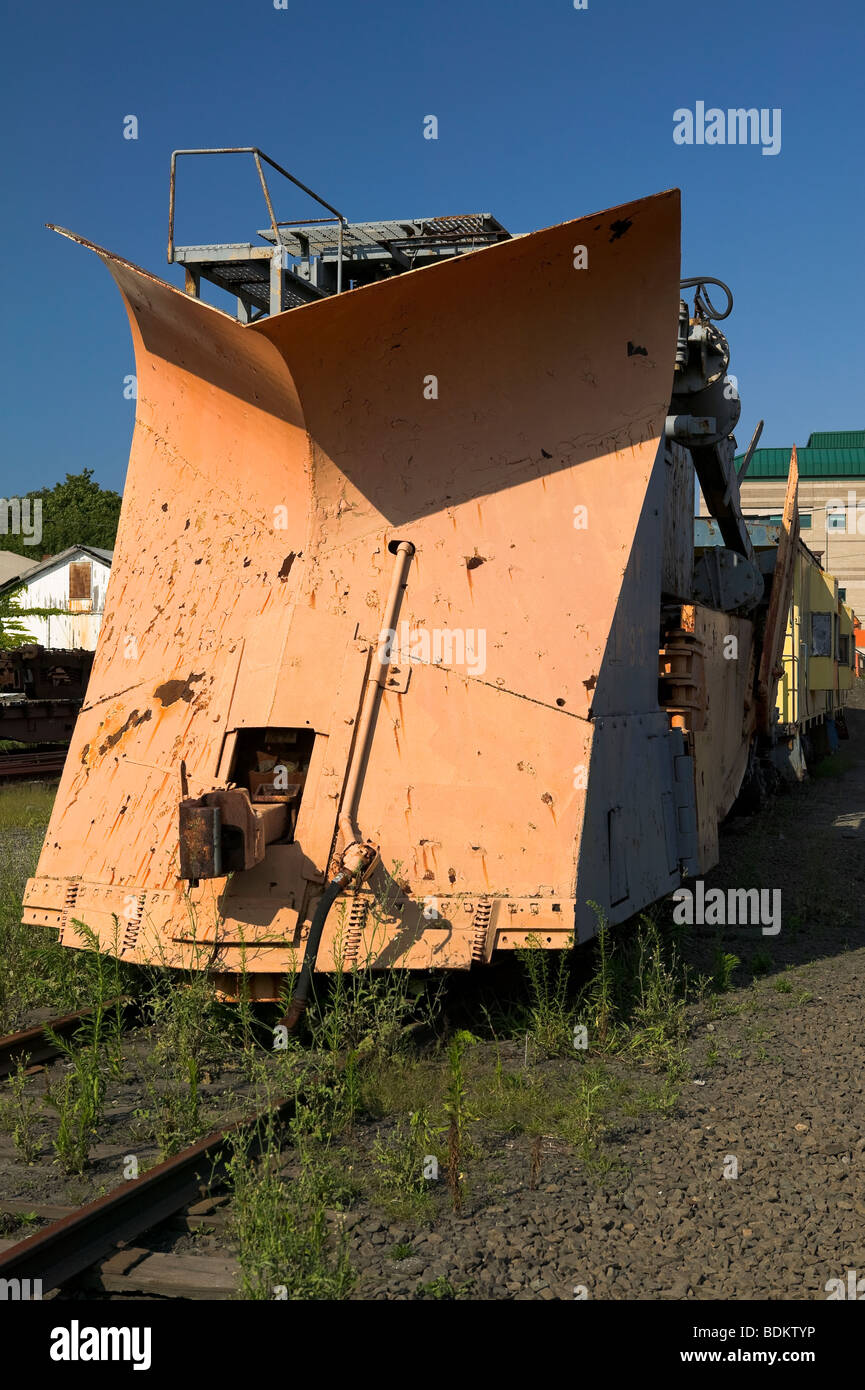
(300,994)
(702,302)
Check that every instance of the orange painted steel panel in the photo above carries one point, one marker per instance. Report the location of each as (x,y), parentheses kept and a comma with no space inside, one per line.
(470,408)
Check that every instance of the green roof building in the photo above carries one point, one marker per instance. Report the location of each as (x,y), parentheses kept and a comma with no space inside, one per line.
(831,501)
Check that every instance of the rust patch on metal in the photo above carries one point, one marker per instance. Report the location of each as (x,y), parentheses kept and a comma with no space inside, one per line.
(197,841)
(172,691)
(620,227)
(132,722)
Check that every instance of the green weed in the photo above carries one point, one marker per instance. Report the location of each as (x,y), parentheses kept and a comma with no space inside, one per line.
(724,965)
(405,1164)
(280,1226)
(19,1113)
(548,977)
(442,1289)
(78,1098)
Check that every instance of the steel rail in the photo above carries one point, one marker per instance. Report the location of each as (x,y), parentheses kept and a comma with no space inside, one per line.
(24,764)
(35,1044)
(71,1245)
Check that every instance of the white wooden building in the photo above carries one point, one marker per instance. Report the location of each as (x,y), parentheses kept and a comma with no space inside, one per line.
(73,584)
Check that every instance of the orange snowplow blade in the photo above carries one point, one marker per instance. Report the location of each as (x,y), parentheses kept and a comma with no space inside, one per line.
(502,413)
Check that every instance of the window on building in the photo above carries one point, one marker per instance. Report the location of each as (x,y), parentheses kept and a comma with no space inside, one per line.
(80,586)
(842,594)
(821,634)
(844,651)
(804,520)
(836,519)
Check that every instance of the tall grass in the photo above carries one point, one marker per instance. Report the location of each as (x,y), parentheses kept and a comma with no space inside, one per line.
(550,1012)
(280,1226)
(34,970)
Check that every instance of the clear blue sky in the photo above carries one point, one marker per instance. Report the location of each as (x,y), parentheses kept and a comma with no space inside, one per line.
(545,113)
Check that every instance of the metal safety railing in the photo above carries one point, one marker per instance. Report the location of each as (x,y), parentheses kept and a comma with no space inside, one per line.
(259,155)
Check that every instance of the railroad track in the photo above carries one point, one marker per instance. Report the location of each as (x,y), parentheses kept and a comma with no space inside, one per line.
(94,1244)
(35,1045)
(138,1270)
(31,764)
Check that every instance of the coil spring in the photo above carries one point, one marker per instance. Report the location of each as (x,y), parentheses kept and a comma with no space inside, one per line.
(68,905)
(354,930)
(133,924)
(480,927)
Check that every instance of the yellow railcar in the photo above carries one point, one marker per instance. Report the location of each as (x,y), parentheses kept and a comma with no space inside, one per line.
(818,652)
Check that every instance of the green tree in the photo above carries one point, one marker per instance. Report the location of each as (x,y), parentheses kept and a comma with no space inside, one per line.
(75,512)
(12,631)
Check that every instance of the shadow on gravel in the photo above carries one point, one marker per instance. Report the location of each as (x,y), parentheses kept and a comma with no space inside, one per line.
(809,845)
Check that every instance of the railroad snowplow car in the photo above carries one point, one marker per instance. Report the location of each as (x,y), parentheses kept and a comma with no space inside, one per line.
(407,655)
